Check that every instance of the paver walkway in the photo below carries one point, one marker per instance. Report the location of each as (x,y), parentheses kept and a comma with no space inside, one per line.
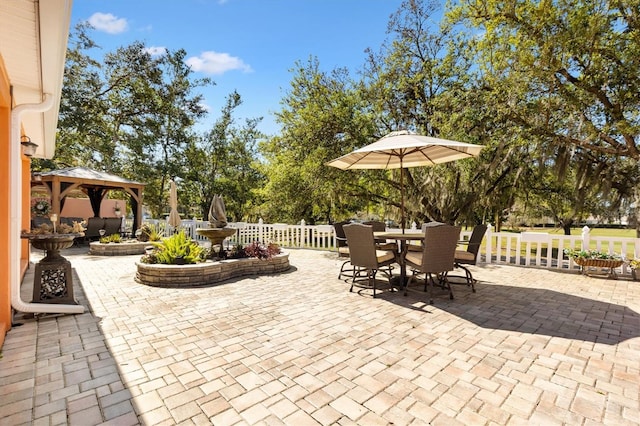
(530,347)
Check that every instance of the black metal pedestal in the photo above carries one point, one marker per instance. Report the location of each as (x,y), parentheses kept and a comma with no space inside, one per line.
(53,281)
(53,277)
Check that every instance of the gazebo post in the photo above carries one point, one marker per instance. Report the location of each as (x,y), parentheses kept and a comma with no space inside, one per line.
(55,196)
(137,217)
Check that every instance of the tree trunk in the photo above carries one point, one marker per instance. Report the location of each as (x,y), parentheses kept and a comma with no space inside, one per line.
(566,226)
(497,222)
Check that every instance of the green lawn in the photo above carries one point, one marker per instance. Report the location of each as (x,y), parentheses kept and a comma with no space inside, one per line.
(596,232)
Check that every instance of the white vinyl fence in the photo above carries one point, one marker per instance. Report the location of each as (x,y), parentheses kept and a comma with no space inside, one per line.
(285,235)
(531,249)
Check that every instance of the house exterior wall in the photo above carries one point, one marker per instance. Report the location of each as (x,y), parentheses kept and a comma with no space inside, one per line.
(34,38)
(5,205)
(5,211)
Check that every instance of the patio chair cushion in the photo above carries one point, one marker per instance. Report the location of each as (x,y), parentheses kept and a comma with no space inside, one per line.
(414,256)
(463,255)
(384,256)
(470,255)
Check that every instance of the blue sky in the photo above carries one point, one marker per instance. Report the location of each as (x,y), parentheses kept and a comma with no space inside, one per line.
(244,45)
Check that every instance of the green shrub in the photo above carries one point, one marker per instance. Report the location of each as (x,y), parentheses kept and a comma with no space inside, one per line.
(177,249)
(113,238)
(150,232)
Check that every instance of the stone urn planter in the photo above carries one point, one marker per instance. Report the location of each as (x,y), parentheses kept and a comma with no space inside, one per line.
(51,243)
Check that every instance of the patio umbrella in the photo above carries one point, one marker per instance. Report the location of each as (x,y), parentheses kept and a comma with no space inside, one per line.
(174,217)
(402,149)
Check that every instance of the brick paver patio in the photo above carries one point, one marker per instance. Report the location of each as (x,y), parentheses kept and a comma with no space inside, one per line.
(530,347)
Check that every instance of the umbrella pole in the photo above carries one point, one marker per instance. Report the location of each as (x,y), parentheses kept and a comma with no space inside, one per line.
(401,196)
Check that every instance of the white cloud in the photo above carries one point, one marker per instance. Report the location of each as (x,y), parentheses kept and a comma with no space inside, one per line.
(108,23)
(156,50)
(205,106)
(216,63)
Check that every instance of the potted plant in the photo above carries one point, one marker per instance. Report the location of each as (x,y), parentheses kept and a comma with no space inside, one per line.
(633,265)
(595,258)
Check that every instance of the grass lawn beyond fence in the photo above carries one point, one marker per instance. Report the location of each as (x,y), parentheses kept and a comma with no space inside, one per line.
(594,232)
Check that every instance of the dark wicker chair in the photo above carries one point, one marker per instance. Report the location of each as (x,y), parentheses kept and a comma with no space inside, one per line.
(343,249)
(365,256)
(436,259)
(470,255)
(94,225)
(112,225)
(381,244)
(418,247)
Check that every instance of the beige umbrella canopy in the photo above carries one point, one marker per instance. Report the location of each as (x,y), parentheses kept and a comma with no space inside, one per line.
(402,149)
(174,217)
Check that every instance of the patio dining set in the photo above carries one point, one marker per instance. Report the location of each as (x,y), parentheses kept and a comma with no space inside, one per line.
(433,252)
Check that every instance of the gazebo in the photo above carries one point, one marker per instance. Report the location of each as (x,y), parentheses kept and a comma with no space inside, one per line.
(94,184)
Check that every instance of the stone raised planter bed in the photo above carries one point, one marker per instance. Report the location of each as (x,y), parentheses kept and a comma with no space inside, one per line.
(209,272)
(118,249)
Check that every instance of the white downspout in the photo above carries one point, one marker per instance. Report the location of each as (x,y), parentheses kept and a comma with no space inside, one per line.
(16,216)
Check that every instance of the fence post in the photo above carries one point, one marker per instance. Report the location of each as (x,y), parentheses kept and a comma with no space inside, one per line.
(585,237)
(260,230)
(302,240)
(488,248)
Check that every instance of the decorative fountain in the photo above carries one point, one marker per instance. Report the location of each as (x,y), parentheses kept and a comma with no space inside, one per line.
(217,231)
(53,278)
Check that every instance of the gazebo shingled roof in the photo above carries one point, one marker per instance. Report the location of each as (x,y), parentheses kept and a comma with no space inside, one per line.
(94,184)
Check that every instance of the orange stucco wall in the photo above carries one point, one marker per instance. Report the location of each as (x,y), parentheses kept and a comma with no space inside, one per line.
(5,206)
(25,222)
(5,213)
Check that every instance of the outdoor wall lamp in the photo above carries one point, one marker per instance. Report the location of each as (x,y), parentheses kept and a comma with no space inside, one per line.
(28,147)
